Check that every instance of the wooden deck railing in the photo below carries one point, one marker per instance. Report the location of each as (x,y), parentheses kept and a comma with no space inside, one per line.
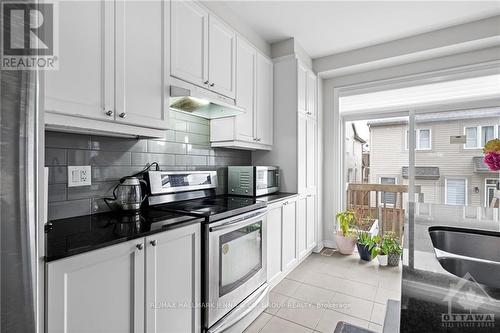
(366,200)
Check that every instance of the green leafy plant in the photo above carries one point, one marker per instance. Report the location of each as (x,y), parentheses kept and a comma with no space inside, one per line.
(383,246)
(346,220)
(366,239)
(393,244)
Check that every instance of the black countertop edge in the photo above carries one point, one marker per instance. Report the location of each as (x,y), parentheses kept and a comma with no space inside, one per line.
(275,197)
(76,235)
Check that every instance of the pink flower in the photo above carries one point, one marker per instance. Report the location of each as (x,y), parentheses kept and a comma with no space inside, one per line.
(492,160)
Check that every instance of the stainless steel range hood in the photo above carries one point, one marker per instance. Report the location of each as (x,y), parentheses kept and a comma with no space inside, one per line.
(201,102)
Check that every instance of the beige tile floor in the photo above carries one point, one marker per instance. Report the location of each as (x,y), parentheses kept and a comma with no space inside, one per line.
(324,290)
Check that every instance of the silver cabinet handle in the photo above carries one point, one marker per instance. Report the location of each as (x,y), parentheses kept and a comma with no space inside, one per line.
(122,115)
(206,82)
(285,203)
(259,139)
(212,84)
(109,113)
(154,242)
(139,246)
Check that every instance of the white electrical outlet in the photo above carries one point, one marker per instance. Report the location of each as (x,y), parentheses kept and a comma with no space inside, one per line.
(79,176)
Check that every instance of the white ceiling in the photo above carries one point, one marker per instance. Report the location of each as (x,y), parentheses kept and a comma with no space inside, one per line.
(328,27)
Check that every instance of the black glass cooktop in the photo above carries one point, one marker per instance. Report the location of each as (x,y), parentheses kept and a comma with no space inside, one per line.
(214,208)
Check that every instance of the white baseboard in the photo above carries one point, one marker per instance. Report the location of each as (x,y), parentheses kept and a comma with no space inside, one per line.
(329,243)
(318,247)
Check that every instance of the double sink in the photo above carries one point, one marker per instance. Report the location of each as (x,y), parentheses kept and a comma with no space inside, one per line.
(461,251)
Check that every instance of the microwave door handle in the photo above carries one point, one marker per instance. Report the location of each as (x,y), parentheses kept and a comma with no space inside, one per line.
(238,222)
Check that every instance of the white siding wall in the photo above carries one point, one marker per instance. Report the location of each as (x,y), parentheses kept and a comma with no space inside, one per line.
(388,156)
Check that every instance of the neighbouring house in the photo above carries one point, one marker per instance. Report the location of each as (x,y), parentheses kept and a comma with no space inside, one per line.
(355,155)
(448,173)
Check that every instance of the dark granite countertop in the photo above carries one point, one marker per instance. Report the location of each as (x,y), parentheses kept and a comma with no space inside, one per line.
(270,198)
(430,293)
(75,235)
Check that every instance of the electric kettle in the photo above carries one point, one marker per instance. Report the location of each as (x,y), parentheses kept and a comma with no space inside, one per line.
(128,194)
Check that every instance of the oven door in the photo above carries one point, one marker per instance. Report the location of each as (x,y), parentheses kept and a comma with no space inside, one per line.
(267,180)
(237,261)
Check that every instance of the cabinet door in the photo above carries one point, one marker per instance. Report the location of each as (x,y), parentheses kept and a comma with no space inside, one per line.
(173,281)
(140,63)
(274,218)
(302,154)
(99,291)
(189,42)
(311,94)
(301,227)
(245,90)
(311,221)
(311,155)
(264,101)
(222,58)
(289,252)
(83,85)
(302,87)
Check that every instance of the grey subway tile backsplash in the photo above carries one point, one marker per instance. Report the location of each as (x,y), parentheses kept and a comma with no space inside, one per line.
(98,157)
(64,209)
(186,146)
(142,159)
(54,157)
(118,144)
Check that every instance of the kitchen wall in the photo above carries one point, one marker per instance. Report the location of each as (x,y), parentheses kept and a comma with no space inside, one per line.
(186,146)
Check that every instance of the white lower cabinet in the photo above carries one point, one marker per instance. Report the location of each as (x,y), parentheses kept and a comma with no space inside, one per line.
(107,290)
(274,241)
(301,226)
(173,281)
(310,221)
(281,253)
(289,235)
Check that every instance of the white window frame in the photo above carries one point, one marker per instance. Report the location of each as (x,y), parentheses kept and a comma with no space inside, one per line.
(417,139)
(486,186)
(478,134)
(395,195)
(446,190)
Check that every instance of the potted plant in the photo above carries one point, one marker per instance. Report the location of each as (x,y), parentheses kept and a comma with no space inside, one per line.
(381,251)
(366,244)
(394,251)
(345,237)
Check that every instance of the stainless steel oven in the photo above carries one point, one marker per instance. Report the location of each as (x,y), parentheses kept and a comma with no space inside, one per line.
(236,267)
(253,180)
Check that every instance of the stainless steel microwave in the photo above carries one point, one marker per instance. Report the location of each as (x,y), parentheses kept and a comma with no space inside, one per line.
(253,181)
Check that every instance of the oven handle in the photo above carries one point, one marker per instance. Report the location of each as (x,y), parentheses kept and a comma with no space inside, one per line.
(238,222)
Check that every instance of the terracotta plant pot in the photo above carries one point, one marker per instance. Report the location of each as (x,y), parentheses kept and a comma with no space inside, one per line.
(364,252)
(382,259)
(345,245)
(393,259)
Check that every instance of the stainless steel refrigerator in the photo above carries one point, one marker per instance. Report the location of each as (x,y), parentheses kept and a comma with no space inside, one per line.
(21,203)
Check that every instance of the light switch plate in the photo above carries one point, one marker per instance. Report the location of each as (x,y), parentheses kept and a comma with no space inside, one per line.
(79,176)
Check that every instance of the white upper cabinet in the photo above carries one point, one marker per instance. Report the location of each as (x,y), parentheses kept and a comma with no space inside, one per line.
(311,94)
(254,94)
(203,48)
(302,154)
(221,58)
(245,89)
(264,105)
(189,42)
(140,63)
(111,78)
(301,88)
(83,85)
(311,155)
